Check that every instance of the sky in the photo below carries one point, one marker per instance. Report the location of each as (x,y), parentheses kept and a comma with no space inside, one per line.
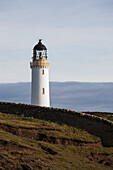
(77,33)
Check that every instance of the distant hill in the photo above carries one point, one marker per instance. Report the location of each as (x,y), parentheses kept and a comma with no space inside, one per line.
(27,143)
(71,95)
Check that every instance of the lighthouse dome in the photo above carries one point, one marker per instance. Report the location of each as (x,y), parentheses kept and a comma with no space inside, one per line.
(40,46)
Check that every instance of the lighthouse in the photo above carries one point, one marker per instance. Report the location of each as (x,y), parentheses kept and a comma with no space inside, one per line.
(40,76)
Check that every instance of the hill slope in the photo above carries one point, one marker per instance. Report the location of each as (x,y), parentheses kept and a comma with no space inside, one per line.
(29,143)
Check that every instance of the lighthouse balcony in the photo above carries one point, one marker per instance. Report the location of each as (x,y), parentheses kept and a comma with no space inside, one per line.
(39,63)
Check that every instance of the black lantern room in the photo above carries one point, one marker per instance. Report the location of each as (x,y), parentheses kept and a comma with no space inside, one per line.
(39,51)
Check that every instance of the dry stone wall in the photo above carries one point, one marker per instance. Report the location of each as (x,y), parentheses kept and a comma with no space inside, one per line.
(92,124)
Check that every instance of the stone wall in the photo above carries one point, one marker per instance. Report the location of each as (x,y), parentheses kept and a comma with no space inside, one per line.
(92,124)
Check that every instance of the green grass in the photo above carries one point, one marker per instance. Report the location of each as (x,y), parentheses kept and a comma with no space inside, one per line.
(104,115)
(109,118)
(19,150)
(48,128)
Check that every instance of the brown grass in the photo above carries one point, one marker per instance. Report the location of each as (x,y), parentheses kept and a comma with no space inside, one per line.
(28,143)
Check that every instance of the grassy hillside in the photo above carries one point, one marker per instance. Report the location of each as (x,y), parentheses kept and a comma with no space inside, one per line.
(28,143)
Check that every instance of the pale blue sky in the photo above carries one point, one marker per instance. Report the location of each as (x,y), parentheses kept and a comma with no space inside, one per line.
(77,33)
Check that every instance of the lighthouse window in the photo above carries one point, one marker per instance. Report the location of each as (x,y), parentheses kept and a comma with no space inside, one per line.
(43,71)
(43,91)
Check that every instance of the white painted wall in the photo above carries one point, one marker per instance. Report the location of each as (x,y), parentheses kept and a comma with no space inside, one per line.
(40,81)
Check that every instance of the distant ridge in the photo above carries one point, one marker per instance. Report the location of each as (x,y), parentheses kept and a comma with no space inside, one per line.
(81,96)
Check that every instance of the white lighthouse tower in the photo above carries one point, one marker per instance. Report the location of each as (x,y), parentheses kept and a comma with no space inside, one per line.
(40,76)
